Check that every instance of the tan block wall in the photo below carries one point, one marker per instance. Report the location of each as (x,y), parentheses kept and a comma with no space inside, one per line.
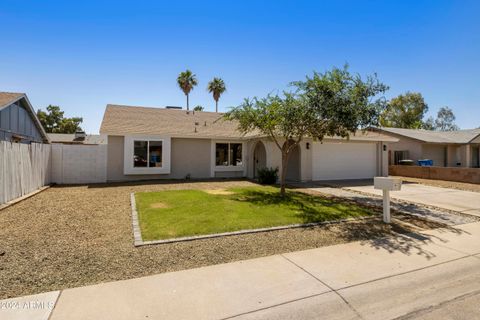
(413,147)
(469,175)
(435,152)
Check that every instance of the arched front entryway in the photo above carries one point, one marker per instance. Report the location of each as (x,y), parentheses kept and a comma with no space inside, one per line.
(259,158)
(293,166)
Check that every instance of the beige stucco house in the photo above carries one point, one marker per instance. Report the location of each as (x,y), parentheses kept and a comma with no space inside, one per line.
(446,149)
(164,143)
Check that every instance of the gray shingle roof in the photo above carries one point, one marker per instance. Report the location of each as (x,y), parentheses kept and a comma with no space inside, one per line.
(121,120)
(460,136)
(125,120)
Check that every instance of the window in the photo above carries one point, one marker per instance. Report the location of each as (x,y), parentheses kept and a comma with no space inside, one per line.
(155,153)
(235,154)
(221,154)
(228,154)
(147,154)
(399,156)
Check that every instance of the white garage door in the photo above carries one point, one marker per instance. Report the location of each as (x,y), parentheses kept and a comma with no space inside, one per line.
(347,160)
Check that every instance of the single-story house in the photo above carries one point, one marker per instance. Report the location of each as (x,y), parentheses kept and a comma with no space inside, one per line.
(18,120)
(446,149)
(166,143)
(79,137)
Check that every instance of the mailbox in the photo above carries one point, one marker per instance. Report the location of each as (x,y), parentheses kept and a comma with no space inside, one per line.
(385,183)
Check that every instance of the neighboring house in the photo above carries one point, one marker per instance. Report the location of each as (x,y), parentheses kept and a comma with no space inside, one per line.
(446,149)
(78,137)
(165,143)
(18,120)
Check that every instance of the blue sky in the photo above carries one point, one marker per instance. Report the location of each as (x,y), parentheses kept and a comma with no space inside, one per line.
(82,55)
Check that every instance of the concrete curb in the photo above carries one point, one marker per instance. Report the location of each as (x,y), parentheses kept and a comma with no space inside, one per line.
(137,235)
(28,195)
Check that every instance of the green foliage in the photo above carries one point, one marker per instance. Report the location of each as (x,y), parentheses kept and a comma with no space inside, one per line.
(445,120)
(429,124)
(333,103)
(198,108)
(178,213)
(267,175)
(405,111)
(53,121)
(186,80)
(217,88)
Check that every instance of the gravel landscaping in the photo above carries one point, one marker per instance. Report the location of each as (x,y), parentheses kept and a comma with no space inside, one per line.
(72,236)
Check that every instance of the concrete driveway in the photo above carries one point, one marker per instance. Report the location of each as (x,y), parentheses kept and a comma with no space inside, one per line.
(450,199)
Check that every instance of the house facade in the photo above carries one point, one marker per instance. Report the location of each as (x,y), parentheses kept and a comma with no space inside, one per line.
(161,143)
(446,149)
(18,120)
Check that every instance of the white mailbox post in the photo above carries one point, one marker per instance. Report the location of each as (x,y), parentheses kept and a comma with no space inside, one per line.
(387,184)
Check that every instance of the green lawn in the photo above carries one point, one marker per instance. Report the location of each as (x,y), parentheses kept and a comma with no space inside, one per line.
(179,213)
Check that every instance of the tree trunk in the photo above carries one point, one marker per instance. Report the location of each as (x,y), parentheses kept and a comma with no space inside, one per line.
(187,104)
(283,174)
(216,106)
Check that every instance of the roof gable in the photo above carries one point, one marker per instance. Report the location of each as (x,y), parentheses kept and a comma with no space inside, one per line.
(9,98)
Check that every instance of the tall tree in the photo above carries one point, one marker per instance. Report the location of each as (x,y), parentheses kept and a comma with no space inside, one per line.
(186,81)
(405,111)
(445,120)
(217,88)
(429,124)
(326,104)
(53,120)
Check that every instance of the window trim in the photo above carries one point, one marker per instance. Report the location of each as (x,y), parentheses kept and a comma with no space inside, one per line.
(148,151)
(128,167)
(215,168)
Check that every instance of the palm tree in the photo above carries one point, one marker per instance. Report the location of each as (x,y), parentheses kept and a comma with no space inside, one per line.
(216,87)
(186,81)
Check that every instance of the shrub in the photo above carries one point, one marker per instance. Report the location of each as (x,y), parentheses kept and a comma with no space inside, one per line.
(267,175)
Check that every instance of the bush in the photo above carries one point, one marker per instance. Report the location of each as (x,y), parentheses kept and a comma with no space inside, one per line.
(267,175)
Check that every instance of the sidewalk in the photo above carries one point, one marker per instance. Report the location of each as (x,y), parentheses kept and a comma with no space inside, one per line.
(378,279)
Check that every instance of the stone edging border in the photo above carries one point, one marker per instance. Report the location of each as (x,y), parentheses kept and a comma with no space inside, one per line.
(137,234)
(139,242)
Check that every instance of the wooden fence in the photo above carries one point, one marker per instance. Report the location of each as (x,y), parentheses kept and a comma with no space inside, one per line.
(23,168)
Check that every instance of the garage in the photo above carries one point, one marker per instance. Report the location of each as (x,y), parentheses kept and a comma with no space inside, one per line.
(344,160)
